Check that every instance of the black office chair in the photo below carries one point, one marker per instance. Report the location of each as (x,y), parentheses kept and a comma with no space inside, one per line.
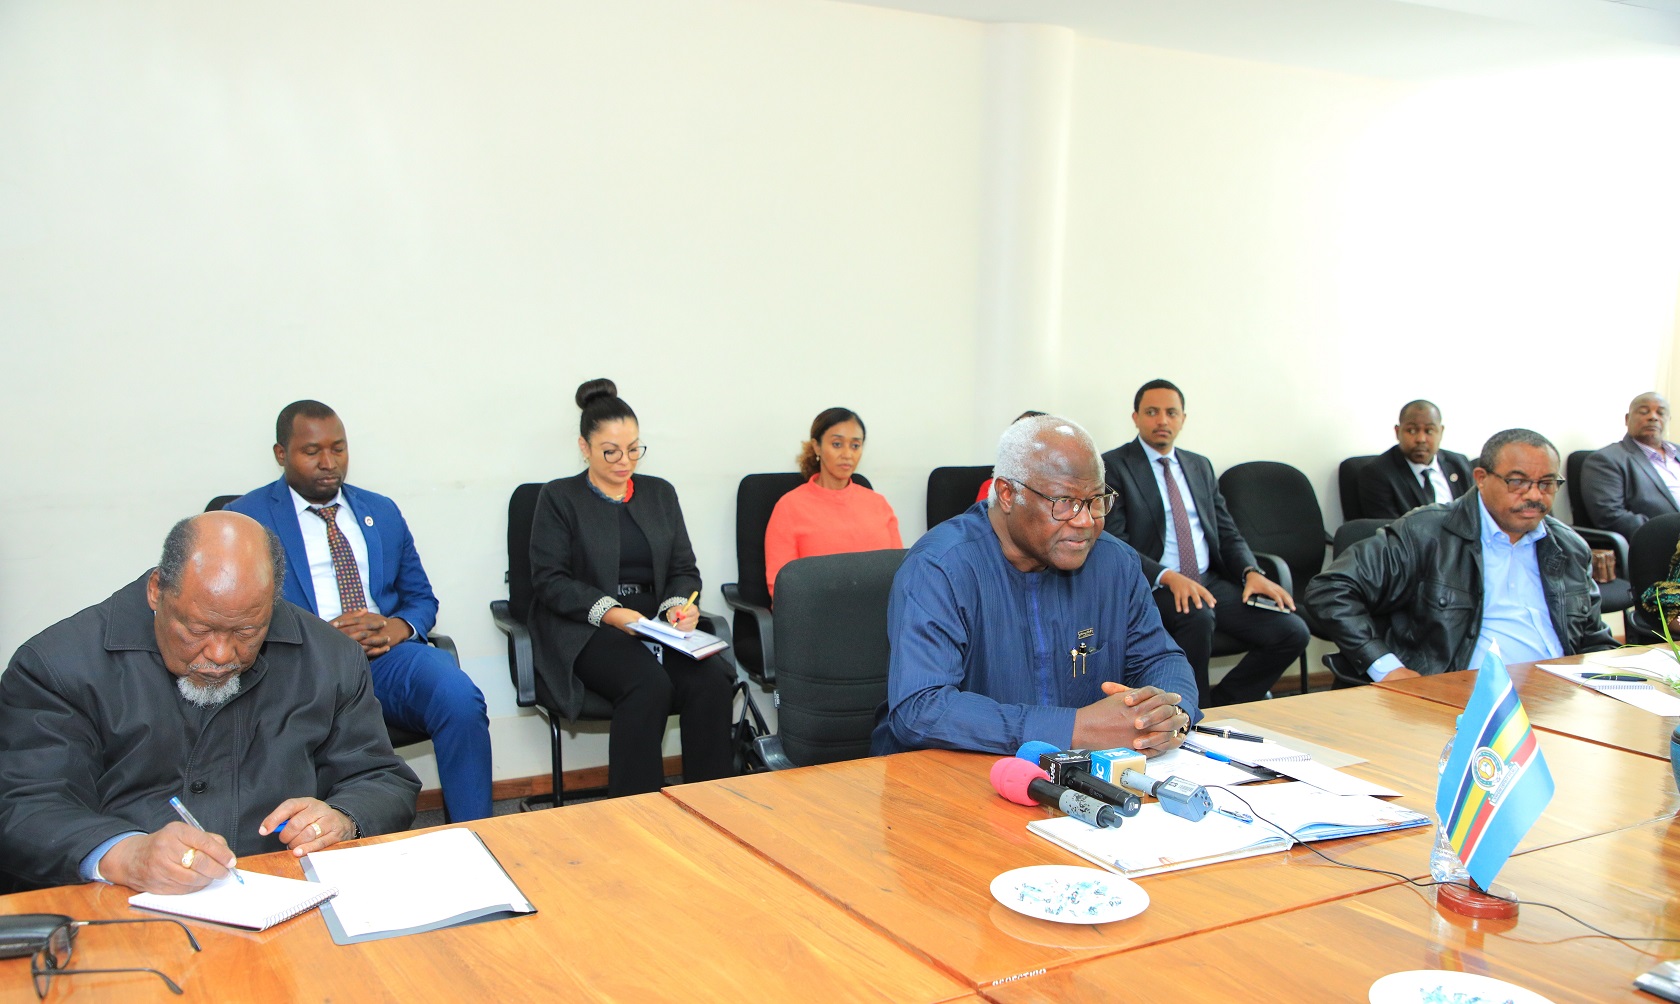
(400,736)
(1648,561)
(951,490)
(512,616)
(1347,485)
(1618,593)
(1352,532)
(1276,511)
(748,595)
(831,615)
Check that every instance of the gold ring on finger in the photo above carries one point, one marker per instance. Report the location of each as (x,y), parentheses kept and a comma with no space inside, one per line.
(187,858)
(316,827)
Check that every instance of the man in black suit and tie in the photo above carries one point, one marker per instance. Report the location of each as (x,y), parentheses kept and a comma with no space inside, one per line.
(1170,510)
(1630,481)
(1416,471)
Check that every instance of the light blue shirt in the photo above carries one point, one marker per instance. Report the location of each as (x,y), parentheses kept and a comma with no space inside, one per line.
(1169,533)
(1514,611)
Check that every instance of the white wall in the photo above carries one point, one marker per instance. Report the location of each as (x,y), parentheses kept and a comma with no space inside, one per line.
(441,218)
(1304,252)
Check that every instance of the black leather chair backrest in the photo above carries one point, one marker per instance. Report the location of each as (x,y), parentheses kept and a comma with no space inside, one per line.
(831,653)
(1572,466)
(522,509)
(220,502)
(1354,531)
(1276,510)
(1651,551)
(755,500)
(1347,485)
(951,490)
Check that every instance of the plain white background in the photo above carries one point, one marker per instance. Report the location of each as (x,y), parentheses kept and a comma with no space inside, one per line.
(440,218)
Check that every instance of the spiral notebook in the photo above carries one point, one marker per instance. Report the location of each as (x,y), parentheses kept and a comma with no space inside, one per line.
(259,904)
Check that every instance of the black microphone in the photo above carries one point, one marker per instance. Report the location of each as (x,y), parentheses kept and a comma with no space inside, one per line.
(1024,784)
(1080,779)
(1182,798)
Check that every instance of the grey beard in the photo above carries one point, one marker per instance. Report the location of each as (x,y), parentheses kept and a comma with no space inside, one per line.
(208,697)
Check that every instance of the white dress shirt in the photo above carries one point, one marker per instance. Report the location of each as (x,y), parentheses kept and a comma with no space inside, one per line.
(1667,466)
(1437,478)
(315,547)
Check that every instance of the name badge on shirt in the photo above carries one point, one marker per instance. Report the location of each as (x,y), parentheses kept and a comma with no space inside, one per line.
(1086,633)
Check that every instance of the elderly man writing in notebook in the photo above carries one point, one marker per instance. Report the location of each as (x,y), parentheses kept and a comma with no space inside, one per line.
(1020,619)
(195,681)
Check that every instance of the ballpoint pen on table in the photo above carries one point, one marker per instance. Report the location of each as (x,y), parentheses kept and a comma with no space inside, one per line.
(1228,734)
(187,817)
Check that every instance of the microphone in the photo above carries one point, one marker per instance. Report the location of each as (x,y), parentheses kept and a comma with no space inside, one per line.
(1078,778)
(1182,798)
(1024,784)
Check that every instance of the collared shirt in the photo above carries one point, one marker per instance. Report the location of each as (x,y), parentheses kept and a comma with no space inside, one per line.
(1169,533)
(1437,478)
(984,655)
(319,552)
(1667,465)
(1514,611)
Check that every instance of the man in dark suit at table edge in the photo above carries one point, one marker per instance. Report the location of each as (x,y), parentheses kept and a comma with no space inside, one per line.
(1170,509)
(1636,478)
(1393,484)
(1434,590)
(360,572)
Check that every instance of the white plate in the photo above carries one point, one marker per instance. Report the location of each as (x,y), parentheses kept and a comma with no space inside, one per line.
(1070,894)
(1422,985)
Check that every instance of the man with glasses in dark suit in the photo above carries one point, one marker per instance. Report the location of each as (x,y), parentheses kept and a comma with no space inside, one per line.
(1170,509)
(1437,588)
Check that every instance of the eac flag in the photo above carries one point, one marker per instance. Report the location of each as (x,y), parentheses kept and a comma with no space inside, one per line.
(1495,784)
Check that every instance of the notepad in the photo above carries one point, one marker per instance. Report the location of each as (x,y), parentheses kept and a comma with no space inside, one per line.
(1156,841)
(422,883)
(1645,696)
(696,644)
(259,904)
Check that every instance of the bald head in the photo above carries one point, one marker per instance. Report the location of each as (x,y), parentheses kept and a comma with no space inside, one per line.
(220,551)
(1647,419)
(213,595)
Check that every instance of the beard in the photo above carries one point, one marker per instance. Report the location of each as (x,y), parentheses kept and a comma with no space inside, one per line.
(208,697)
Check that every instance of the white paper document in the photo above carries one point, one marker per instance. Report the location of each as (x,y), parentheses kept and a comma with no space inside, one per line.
(431,880)
(1323,754)
(1195,768)
(1645,696)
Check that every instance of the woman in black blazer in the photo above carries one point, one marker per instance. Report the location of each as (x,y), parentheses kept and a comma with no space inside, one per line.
(607,550)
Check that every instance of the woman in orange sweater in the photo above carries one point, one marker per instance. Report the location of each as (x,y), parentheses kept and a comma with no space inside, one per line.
(828,514)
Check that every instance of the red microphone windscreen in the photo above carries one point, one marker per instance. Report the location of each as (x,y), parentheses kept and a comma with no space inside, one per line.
(1012,775)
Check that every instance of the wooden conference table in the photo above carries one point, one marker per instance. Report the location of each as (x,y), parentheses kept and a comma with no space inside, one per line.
(869,880)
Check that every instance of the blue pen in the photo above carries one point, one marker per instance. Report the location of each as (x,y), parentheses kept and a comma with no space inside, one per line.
(181,810)
(1210,754)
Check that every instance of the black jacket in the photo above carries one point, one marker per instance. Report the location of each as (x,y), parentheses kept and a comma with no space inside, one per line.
(1389,490)
(574,570)
(1415,589)
(1140,517)
(94,739)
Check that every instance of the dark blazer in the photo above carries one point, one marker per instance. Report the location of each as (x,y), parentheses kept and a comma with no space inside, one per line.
(574,569)
(1140,515)
(1389,490)
(395,576)
(1622,490)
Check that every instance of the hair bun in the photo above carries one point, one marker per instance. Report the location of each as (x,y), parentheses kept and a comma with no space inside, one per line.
(590,390)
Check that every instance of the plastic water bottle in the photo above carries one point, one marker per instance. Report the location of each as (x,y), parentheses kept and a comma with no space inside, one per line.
(1444,863)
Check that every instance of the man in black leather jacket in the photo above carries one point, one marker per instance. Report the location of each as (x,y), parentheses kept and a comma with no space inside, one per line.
(1410,601)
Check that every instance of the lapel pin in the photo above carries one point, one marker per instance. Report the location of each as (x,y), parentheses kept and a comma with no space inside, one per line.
(368,520)
(1450,477)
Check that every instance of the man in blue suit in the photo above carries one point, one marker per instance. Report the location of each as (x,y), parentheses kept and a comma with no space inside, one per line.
(351,560)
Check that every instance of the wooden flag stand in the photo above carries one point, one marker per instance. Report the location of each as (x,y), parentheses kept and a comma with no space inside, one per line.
(1470,900)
